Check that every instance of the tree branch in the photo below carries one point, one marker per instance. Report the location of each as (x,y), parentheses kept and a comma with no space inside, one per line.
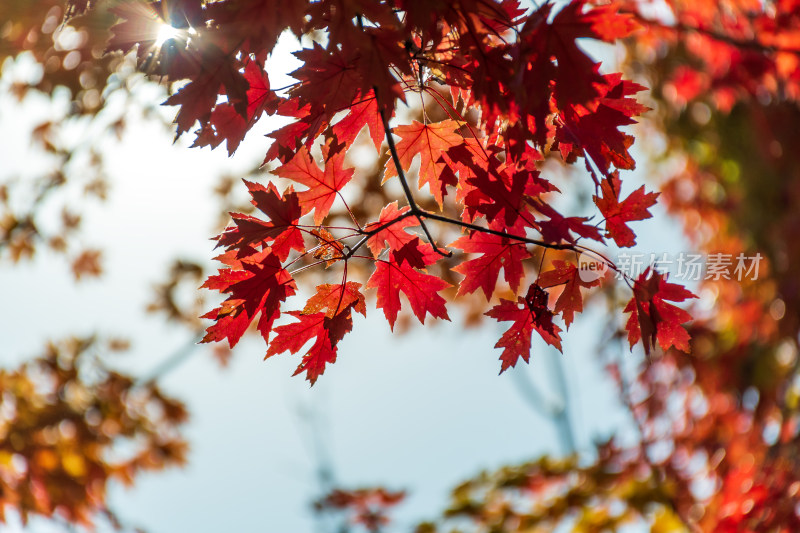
(415,210)
(468,225)
(751,44)
(170,363)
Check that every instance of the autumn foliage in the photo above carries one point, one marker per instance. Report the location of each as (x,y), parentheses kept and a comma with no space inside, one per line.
(56,452)
(464,104)
(514,86)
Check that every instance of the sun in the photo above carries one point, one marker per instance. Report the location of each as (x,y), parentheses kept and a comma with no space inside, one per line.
(166,32)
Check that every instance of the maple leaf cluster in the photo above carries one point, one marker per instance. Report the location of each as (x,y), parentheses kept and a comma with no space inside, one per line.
(513,85)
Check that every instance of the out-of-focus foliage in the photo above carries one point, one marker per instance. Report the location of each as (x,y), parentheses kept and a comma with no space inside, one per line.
(49,61)
(619,489)
(71,54)
(718,428)
(69,425)
(727,84)
(366,508)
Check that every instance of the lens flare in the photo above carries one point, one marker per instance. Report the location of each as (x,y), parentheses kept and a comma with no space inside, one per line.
(165,33)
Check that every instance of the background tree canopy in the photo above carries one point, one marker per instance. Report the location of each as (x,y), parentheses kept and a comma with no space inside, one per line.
(417,150)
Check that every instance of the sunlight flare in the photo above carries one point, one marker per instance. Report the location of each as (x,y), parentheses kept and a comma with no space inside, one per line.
(166,32)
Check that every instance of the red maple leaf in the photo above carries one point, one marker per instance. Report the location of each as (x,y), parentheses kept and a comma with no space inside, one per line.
(281,229)
(570,300)
(255,284)
(575,76)
(594,130)
(364,113)
(228,123)
(212,73)
(336,299)
(393,234)
(326,318)
(560,228)
(482,272)
(608,23)
(618,214)
(329,83)
(392,277)
(333,79)
(260,98)
(552,71)
(293,337)
(382,54)
(487,186)
(652,318)
(498,192)
(196,99)
(527,314)
(299,132)
(323,186)
(416,254)
(430,141)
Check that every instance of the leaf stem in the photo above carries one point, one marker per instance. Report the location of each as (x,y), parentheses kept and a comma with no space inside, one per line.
(349,211)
